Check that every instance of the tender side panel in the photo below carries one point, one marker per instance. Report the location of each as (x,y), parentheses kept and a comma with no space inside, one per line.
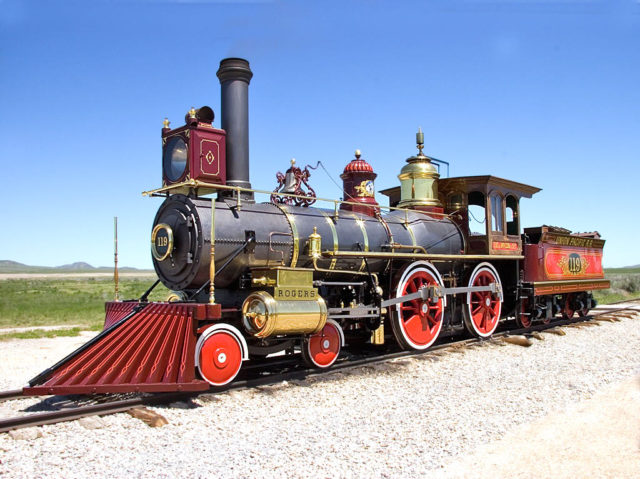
(552,262)
(151,351)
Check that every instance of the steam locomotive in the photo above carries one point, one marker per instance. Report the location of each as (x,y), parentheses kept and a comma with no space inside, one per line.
(253,279)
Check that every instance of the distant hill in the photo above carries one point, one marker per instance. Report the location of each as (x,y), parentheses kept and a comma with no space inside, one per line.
(8,266)
(76,266)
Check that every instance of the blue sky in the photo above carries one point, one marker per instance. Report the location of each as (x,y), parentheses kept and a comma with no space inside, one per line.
(542,92)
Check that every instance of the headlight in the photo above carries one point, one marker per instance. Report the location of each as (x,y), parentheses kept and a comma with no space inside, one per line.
(174,158)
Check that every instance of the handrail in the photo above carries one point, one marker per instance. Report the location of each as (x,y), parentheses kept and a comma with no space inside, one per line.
(238,189)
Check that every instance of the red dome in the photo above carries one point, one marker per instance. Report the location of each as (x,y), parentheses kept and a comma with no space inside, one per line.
(358,165)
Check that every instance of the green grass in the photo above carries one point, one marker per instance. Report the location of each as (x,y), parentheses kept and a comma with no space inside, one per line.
(47,302)
(40,333)
(625,285)
(626,271)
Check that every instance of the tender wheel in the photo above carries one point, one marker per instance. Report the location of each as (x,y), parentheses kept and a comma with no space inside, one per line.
(524,317)
(219,354)
(583,312)
(321,350)
(482,311)
(582,303)
(416,324)
(567,310)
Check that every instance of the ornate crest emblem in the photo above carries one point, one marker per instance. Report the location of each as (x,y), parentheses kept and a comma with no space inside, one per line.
(365,188)
(294,182)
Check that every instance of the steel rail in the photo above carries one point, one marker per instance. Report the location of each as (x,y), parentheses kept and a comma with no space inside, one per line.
(344,364)
(53,417)
(10,394)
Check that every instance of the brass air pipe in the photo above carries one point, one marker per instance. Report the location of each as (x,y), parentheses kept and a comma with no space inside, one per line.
(407,246)
(432,257)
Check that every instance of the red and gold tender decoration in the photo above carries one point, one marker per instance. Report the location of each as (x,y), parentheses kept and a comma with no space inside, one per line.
(571,263)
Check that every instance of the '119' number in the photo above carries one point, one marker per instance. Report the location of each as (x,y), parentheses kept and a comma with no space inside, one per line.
(162,241)
(575,265)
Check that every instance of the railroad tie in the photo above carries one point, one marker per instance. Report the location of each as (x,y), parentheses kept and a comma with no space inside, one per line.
(151,418)
(609,319)
(518,340)
(556,331)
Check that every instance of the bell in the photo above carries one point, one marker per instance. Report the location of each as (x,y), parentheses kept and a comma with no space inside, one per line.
(290,181)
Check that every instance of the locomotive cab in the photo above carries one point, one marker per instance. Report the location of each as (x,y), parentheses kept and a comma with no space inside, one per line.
(487,210)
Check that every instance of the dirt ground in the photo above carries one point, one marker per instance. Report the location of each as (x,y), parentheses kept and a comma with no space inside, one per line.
(600,438)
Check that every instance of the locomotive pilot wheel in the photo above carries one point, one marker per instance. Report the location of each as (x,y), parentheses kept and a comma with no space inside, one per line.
(321,350)
(416,324)
(482,308)
(219,354)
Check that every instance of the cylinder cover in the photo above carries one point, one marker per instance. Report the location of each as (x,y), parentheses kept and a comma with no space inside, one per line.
(264,316)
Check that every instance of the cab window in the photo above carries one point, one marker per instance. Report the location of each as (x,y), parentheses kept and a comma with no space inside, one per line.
(476,213)
(497,223)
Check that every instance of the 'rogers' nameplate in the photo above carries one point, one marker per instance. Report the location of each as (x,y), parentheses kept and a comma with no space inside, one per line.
(295,294)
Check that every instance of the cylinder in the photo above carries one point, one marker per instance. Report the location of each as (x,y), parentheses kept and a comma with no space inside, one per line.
(234,75)
(265,316)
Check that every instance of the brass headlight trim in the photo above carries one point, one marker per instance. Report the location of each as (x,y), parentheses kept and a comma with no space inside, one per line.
(154,238)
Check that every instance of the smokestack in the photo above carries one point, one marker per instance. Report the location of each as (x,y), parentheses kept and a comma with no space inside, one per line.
(234,75)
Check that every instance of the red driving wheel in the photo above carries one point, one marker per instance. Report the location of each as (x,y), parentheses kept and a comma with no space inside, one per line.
(482,311)
(321,350)
(417,323)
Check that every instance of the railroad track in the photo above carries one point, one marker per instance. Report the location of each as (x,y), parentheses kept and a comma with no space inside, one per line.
(272,372)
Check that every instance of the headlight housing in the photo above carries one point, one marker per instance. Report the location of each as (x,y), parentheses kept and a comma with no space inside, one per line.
(174,158)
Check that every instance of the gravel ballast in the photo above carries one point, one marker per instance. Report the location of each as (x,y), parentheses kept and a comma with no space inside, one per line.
(406,418)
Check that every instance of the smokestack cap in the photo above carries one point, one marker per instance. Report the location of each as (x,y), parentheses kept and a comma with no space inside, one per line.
(234,69)
(205,114)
